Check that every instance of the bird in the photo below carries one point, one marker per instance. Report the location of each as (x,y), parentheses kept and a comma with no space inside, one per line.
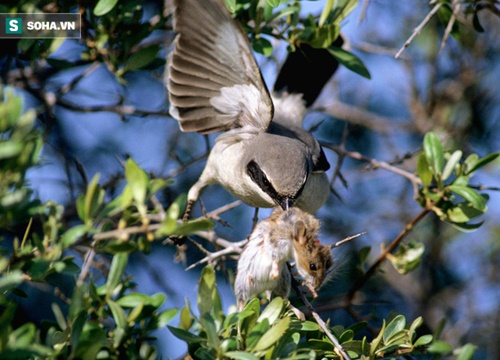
(262,155)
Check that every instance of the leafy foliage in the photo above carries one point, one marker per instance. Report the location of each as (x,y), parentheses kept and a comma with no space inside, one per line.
(277,333)
(114,228)
(446,188)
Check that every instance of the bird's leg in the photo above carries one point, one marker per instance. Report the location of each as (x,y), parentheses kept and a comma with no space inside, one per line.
(255,218)
(189,208)
(180,240)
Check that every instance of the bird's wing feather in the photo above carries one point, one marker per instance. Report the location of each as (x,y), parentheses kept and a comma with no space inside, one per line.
(214,83)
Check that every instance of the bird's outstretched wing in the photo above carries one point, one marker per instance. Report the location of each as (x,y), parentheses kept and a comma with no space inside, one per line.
(214,82)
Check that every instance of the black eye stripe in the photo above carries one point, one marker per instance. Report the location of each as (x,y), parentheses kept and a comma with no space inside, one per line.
(258,177)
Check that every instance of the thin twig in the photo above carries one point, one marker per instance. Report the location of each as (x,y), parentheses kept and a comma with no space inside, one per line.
(419,28)
(367,119)
(449,26)
(340,159)
(347,239)
(342,352)
(213,256)
(374,163)
(87,263)
(118,109)
(224,208)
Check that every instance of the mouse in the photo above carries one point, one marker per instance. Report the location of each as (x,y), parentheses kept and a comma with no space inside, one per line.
(283,236)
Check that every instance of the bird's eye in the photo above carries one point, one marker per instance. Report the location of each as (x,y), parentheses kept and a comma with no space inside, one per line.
(312,266)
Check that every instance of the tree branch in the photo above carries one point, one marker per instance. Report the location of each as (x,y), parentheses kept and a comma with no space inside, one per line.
(419,28)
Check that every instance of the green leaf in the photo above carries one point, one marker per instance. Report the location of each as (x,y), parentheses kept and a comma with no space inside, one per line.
(165,317)
(472,196)
(396,325)
(479,163)
(120,246)
(451,164)
(192,226)
(289,10)
(104,6)
(440,347)
(423,340)
(39,268)
(206,290)
(434,152)
(157,300)
(240,355)
(231,5)
(350,61)
(357,327)
(376,342)
(470,162)
(24,335)
(116,271)
(257,332)
(169,224)
(273,335)
(10,149)
(273,3)
(347,335)
(132,300)
(322,345)
(308,326)
(118,314)
(466,227)
(203,354)
(159,184)
(135,313)
(262,46)
(423,170)
(414,325)
(343,9)
(407,257)
(272,311)
(185,335)
(445,15)
(461,181)
(327,9)
(59,316)
(88,205)
(439,328)
(320,37)
(72,235)
(208,324)
(142,58)
(138,181)
(186,320)
(462,213)
(10,280)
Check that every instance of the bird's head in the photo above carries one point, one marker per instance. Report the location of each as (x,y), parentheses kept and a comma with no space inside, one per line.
(280,169)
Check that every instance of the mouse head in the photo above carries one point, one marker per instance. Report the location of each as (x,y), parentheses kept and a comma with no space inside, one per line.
(313,259)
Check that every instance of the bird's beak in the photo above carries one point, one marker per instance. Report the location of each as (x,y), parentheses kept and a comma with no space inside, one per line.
(286,203)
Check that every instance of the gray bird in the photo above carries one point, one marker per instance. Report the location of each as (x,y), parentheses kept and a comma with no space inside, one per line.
(263,157)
